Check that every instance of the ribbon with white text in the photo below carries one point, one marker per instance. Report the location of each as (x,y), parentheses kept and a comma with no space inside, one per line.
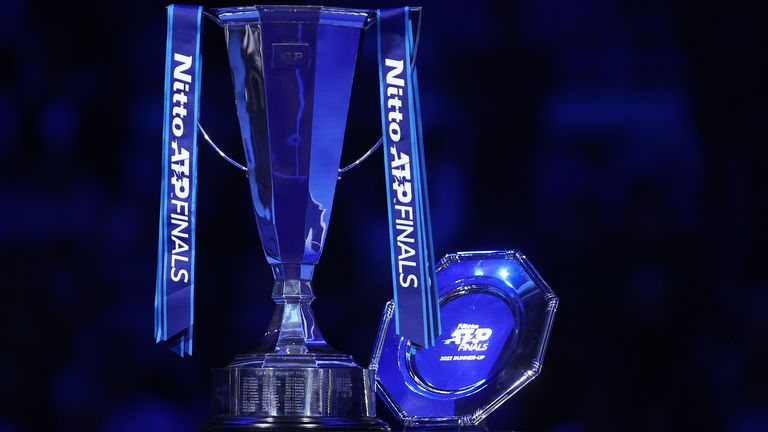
(174,292)
(417,313)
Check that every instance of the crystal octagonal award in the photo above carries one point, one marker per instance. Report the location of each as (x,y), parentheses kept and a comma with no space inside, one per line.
(496,318)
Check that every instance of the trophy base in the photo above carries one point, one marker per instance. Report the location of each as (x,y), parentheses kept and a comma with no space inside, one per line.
(346,424)
(253,393)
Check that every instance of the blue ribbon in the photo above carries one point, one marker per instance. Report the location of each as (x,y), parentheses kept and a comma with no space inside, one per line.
(174,292)
(417,313)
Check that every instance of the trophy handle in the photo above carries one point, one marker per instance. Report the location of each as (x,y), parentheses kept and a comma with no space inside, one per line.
(243,168)
(219,151)
(362,158)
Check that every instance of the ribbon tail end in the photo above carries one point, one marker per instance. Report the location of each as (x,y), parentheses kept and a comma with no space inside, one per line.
(180,343)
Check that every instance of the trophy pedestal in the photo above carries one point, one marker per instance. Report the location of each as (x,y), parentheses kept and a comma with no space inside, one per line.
(362,424)
(321,392)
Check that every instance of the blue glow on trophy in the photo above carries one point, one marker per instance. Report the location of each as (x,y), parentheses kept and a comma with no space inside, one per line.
(292,70)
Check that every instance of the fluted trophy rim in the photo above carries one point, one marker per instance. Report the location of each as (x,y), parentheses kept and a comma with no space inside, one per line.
(244,15)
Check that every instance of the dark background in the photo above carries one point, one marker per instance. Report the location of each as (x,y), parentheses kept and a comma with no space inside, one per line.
(621,145)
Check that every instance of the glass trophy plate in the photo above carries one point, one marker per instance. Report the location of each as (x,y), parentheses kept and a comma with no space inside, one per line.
(496,314)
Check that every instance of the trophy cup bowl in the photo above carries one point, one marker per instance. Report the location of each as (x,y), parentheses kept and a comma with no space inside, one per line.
(292,69)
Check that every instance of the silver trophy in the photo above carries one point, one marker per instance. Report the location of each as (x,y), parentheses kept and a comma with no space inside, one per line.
(292,70)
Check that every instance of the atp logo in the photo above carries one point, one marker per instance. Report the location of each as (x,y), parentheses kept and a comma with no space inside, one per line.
(470,337)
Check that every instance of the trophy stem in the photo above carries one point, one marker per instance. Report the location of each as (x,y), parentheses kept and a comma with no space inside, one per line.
(293,338)
(294,321)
